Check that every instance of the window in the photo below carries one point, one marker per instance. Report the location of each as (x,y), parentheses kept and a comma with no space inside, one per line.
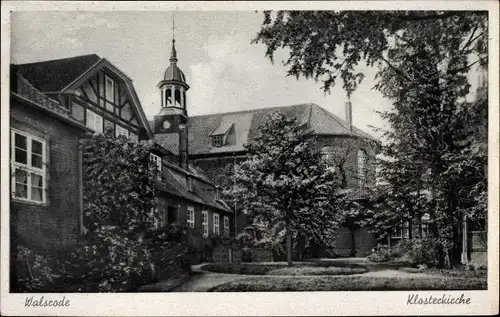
(204,222)
(190,217)
(109,89)
(28,158)
(217,194)
(133,137)
(94,121)
(190,184)
(156,161)
(362,168)
(216,224)
(121,131)
(326,153)
(397,233)
(217,140)
(226,226)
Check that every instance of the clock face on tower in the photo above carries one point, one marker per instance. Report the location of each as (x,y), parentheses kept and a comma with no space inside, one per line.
(166,124)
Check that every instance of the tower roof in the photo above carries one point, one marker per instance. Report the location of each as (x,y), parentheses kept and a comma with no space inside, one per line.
(173,72)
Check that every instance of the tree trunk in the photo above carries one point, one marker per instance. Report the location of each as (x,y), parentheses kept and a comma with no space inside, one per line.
(288,244)
(353,241)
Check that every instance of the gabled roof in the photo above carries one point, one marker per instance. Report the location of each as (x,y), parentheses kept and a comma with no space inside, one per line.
(247,122)
(62,75)
(54,75)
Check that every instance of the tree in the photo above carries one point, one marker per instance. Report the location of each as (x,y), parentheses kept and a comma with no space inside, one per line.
(118,181)
(285,186)
(326,45)
(423,59)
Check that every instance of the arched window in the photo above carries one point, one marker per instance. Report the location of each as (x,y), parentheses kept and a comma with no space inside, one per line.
(168,99)
(361,167)
(177,102)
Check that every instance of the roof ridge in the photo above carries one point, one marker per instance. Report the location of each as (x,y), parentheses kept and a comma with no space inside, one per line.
(252,110)
(342,122)
(58,59)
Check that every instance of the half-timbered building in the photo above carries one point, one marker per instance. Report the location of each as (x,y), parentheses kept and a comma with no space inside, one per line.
(53,104)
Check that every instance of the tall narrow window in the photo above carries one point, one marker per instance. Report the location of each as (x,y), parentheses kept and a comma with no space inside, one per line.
(361,168)
(156,162)
(226,226)
(28,159)
(94,121)
(190,183)
(110,89)
(190,217)
(216,224)
(204,222)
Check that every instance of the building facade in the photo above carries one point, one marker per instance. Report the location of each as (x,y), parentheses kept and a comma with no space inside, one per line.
(216,143)
(53,105)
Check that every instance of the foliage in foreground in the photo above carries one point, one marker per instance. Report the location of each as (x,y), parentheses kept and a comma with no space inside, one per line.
(348,283)
(120,249)
(110,260)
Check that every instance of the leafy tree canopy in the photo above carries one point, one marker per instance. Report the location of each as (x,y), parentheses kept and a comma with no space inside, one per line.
(329,45)
(285,185)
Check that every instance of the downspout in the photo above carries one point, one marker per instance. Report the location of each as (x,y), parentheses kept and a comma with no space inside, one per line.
(80,191)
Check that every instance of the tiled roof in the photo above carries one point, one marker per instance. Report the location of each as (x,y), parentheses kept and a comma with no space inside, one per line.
(54,75)
(246,125)
(22,88)
(171,185)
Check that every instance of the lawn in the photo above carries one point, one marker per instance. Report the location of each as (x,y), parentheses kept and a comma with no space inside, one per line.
(349,283)
(459,272)
(299,269)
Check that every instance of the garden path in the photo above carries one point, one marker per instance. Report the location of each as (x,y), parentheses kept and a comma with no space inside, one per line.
(204,280)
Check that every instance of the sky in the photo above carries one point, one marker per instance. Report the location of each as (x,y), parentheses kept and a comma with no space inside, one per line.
(224,70)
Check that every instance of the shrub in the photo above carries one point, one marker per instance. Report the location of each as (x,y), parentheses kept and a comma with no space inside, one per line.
(40,270)
(115,259)
(424,251)
(380,255)
(111,259)
(400,249)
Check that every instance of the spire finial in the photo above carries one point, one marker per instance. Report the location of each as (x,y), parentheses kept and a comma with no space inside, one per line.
(173,26)
(173,53)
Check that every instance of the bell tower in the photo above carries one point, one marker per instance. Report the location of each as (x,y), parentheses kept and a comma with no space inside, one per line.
(173,118)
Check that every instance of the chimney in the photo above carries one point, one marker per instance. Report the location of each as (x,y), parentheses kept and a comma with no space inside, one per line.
(348,114)
(183,146)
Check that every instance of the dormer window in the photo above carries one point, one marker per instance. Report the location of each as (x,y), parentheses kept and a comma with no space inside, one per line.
(190,184)
(217,194)
(217,140)
(220,134)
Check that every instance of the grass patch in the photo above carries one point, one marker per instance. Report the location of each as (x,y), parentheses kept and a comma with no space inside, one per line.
(348,283)
(299,268)
(459,272)
(308,270)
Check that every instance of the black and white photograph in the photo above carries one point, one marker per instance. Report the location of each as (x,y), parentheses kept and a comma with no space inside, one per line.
(174,151)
